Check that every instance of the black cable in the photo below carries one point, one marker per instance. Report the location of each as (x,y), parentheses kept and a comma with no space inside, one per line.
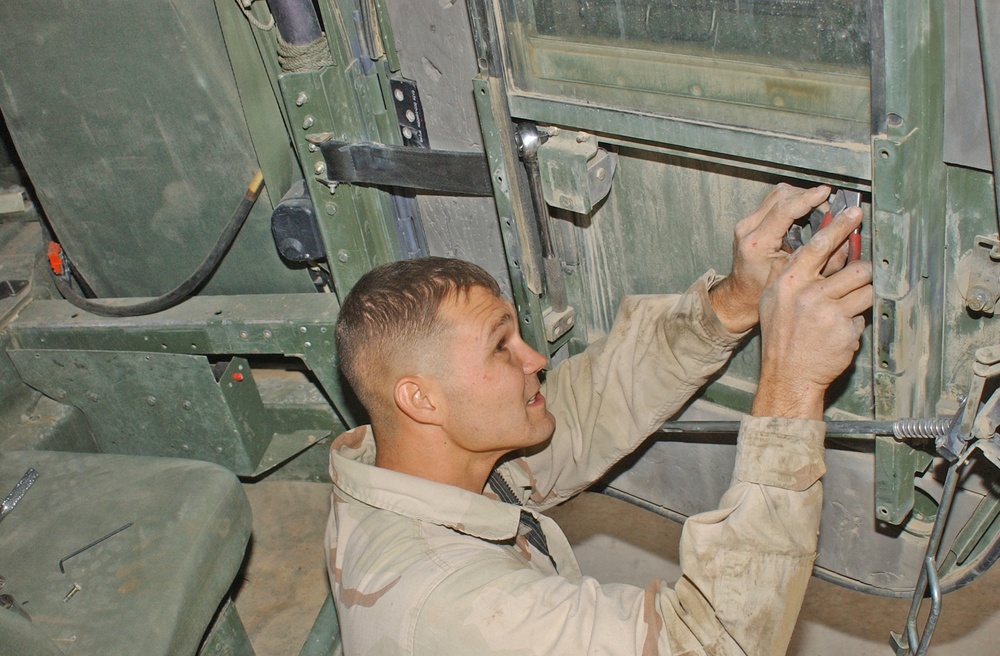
(186,288)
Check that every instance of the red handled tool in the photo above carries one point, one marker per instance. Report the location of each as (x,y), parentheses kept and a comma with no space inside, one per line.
(839,202)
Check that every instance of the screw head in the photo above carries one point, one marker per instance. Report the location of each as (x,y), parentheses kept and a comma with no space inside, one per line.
(319,168)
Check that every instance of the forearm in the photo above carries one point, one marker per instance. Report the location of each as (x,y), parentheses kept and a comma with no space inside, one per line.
(607,400)
(746,565)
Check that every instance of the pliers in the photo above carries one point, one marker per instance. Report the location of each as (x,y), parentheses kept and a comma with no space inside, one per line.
(818,220)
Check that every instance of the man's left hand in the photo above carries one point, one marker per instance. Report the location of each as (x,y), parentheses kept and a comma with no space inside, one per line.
(757,254)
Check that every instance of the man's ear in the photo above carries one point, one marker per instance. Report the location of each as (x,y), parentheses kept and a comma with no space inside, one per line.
(417,397)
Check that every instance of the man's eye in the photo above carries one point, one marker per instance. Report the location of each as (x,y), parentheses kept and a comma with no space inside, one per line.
(501,345)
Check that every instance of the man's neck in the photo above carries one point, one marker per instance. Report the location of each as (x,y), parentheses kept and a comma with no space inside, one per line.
(433,457)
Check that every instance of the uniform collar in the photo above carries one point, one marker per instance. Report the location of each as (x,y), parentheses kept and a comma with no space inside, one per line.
(353,470)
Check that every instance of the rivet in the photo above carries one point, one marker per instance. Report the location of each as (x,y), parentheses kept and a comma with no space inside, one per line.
(601,173)
(151,400)
(244,334)
(408,133)
(303,329)
(398,95)
(267,334)
(186,405)
(343,255)
(308,344)
(92,397)
(410,116)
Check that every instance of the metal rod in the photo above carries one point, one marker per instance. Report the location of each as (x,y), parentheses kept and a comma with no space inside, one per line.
(928,428)
(918,644)
(92,544)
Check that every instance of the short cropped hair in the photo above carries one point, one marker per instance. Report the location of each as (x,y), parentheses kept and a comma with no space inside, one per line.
(390,312)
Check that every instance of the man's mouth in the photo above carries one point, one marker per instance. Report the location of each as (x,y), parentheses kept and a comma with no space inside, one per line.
(536,399)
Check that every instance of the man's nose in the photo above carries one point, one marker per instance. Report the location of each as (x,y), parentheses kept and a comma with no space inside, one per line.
(531,360)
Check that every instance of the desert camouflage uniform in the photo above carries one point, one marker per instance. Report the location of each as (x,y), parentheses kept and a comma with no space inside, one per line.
(418,567)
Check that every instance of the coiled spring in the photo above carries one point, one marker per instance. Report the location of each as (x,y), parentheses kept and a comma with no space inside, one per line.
(930,428)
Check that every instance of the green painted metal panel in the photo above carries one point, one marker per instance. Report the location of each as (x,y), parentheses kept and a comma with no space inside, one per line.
(159,404)
(127,119)
(258,98)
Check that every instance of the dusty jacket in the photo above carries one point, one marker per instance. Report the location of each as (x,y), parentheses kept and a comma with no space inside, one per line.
(418,567)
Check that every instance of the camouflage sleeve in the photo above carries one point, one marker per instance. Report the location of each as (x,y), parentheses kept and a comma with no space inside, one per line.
(660,351)
(745,569)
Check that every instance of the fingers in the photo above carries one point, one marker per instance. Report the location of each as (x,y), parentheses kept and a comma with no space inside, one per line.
(837,260)
(781,194)
(827,241)
(857,302)
(852,277)
(791,203)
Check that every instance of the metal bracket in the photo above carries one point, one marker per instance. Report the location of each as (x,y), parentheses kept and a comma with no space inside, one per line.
(978,275)
(575,173)
(403,166)
(409,113)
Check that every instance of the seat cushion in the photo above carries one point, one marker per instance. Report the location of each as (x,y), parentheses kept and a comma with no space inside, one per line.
(151,589)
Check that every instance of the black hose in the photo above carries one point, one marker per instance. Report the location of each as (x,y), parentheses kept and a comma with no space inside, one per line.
(296,21)
(186,288)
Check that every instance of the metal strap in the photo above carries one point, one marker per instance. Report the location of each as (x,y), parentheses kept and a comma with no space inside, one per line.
(410,168)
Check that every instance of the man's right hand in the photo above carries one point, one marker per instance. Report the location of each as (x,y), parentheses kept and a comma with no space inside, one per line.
(811,324)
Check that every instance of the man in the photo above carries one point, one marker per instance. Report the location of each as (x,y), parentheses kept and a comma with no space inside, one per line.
(435,541)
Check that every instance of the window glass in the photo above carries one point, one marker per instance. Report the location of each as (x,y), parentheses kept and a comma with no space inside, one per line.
(797,66)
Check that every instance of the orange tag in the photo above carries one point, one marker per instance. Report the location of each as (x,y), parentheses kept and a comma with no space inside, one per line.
(55,258)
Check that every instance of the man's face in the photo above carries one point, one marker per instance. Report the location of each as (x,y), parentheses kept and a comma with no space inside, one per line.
(490,377)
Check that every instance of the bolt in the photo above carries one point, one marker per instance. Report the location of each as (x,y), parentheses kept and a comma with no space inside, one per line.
(398,95)
(72,591)
(60,394)
(313,148)
(308,344)
(410,116)
(187,405)
(343,255)
(92,397)
(581,137)
(302,98)
(978,299)
(307,122)
(407,133)
(319,168)
(303,329)
(244,334)
(601,173)
(331,208)
(267,334)
(151,400)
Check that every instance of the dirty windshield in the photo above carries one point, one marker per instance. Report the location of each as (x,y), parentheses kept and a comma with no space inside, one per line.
(754,63)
